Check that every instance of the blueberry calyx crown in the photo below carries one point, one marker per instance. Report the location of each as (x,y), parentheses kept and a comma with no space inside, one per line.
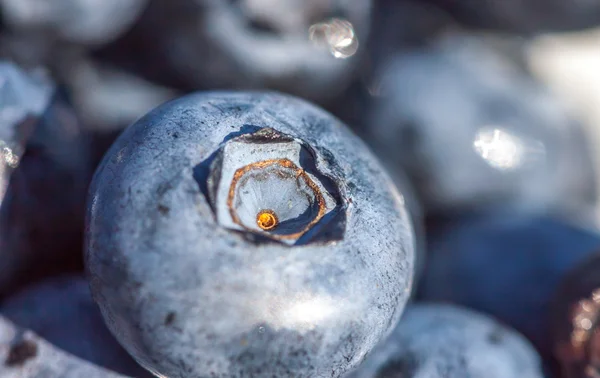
(266,184)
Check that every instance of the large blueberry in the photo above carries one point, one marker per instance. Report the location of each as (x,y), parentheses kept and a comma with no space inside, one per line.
(508,266)
(442,341)
(62,312)
(246,235)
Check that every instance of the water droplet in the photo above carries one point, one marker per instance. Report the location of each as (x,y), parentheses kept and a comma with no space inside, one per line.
(337,35)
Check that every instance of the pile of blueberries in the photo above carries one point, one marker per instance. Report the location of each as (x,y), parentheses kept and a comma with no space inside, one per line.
(292,188)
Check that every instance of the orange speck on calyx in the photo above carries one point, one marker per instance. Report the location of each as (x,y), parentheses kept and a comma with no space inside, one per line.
(267,220)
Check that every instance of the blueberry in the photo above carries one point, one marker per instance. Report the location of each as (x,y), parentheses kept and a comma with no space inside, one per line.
(107,99)
(473,130)
(508,266)
(62,312)
(75,21)
(23,354)
(45,174)
(308,48)
(246,234)
(442,341)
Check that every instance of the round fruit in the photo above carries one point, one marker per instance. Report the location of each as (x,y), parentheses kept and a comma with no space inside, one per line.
(442,341)
(246,235)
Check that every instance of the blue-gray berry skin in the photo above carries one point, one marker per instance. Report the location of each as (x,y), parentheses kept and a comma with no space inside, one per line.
(62,312)
(193,288)
(443,341)
(506,266)
(45,173)
(473,130)
(23,354)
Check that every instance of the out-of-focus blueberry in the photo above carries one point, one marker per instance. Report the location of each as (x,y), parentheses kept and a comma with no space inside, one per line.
(395,25)
(22,97)
(472,130)
(508,266)
(246,234)
(442,341)
(45,173)
(308,48)
(87,22)
(107,99)
(576,314)
(25,355)
(62,312)
(524,16)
